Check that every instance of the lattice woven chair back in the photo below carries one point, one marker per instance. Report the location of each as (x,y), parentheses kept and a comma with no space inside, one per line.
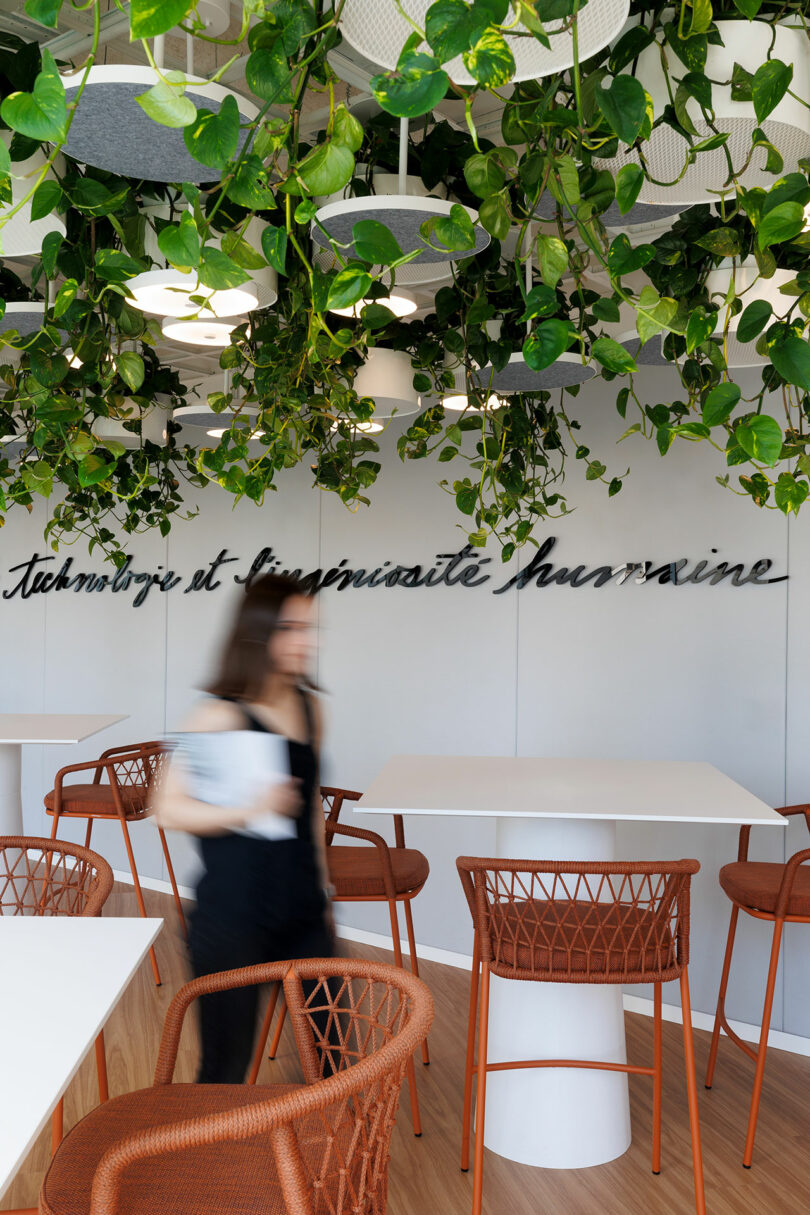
(50,878)
(332,800)
(137,769)
(596,922)
(356,1024)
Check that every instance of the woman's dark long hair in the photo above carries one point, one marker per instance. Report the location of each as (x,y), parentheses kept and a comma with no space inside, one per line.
(245,664)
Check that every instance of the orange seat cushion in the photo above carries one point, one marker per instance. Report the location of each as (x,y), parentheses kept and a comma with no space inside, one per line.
(569,939)
(358,872)
(756,884)
(96,801)
(235,1176)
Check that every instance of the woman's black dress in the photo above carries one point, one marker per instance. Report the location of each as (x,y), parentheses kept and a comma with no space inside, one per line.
(257,901)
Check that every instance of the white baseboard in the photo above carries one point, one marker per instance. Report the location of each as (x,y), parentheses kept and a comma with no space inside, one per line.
(777,1038)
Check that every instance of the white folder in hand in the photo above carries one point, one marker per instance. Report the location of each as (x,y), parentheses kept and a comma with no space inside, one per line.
(234,768)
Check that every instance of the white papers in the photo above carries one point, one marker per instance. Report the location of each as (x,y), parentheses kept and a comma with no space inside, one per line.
(235,768)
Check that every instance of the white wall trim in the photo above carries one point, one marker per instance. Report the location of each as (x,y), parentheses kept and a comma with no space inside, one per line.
(777,1038)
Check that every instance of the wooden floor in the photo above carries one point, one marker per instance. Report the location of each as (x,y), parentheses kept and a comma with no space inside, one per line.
(425,1178)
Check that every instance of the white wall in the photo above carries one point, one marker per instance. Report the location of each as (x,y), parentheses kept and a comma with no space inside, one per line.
(686,672)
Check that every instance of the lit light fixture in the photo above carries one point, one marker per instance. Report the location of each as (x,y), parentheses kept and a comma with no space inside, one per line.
(219,431)
(200,415)
(378,31)
(400,302)
(167,291)
(459,401)
(365,428)
(201,332)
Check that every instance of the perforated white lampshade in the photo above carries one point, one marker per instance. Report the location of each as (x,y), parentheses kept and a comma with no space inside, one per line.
(154,425)
(787,127)
(378,31)
(387,377)
(21,236)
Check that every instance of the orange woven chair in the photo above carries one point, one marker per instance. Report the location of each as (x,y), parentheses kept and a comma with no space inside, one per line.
(42,877)
(360,875)
(311,1149)
(578,922)
(131,772)
(779,893)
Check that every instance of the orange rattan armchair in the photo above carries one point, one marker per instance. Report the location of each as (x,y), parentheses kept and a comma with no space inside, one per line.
(363,874)
(42,877)
(779,893)
(311,1149)
(578,922)
(131,773)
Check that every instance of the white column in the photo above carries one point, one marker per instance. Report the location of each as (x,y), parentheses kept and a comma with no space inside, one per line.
(564,1118)
(11,822)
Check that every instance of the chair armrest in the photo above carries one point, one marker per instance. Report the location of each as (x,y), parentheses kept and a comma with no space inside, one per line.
(370,837)
(788,878)
(91,765)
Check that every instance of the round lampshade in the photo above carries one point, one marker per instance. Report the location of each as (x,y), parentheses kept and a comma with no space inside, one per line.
(387,377)
(200,416)
(402,214)
(363,428)
(22,236)
(412,276)
(744,43)
(201,332)
(167,291)
(27,317)
(154,425)
(379,31)
(517,375)
(111,131)
(639,213)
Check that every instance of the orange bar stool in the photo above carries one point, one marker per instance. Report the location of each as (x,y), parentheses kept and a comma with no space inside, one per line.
(360,874)
(779,893)
(131,772)
(42,877)
(578,922)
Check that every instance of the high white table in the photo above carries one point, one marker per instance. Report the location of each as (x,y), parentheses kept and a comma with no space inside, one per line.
(19,729)
(559,809)
(60,977)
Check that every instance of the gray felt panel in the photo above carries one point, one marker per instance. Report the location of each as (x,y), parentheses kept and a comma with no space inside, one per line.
(404,224)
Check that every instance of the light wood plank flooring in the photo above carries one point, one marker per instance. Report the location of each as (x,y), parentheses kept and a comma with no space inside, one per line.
(425,1178)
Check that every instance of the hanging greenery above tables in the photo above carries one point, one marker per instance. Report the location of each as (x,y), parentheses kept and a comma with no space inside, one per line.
(697,112)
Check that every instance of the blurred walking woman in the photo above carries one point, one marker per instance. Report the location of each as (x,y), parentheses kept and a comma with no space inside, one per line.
(259,899)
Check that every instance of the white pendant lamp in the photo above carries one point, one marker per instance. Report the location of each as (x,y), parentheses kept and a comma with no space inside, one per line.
(22,236)
(111,131)
(402,212)
(748,286)
(168,291)
(202,331)
(363,428)
(378,30)
(200,416)
(457,398)
(745,43)
(387,377)
(517,376)
(153,420)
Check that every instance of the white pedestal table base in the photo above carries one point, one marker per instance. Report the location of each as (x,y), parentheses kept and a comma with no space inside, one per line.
(565,1118)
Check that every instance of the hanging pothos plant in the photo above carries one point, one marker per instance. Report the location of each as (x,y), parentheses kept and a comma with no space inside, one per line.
(573,147)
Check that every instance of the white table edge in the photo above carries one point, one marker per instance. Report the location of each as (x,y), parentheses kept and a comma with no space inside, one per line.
(777,821)
(112,720)
(155,925)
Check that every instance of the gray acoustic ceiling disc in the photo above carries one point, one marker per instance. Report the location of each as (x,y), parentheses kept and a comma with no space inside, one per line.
(110,130)
(651,354)
(402,214)
(640,213)
(517,375)
(26,318)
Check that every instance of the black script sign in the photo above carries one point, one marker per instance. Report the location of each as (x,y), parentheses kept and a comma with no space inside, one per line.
(39,575)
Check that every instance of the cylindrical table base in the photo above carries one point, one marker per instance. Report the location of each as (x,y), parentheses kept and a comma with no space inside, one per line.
(11,822)
(564,1118)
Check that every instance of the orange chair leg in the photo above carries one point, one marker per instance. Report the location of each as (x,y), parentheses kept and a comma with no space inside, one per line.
(415,1118)
(88,833)
(721,998)
(139,895)
(481,1094)
(691,1091)
(264,1033)
(57,1125)
(657,1078)
(763,1044)
(470,1060)
(101,1068)
(55,826)
(282,1017)
(178,904)
(414,965)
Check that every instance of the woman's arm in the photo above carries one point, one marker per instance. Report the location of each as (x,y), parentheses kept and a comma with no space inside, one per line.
(318,820)
(176,810)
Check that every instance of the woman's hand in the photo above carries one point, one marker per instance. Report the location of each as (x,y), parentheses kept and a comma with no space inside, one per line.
(283,798)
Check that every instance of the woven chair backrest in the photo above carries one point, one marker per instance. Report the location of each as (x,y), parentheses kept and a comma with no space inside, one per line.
(48,877)
(581,922)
